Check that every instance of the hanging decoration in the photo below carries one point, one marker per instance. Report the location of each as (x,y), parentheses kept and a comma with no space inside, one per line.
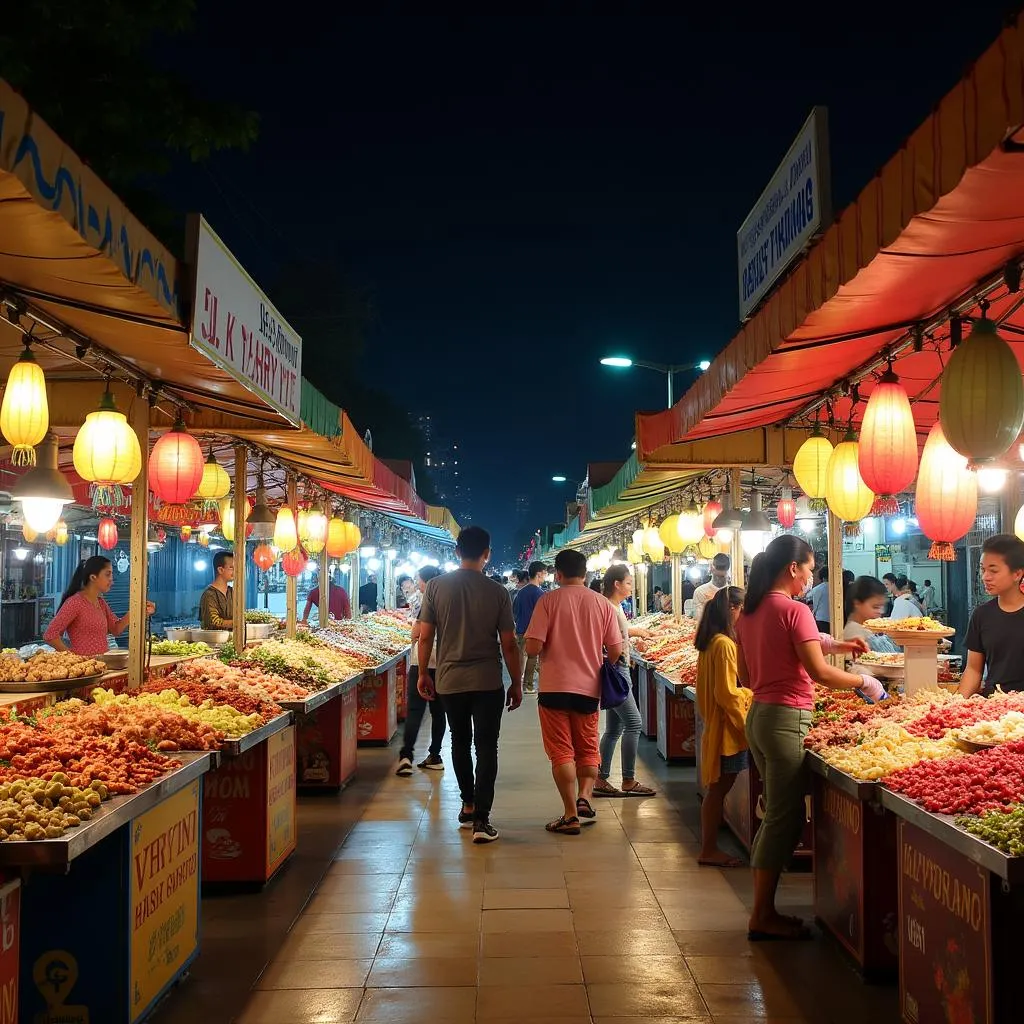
(301,519)
(315,530)
(264,556)
(336,538)
(176,465)
(690,525)
(887,457)
(981,404)
(946,499)
(43,490)
(711,512)
(106,534)
(60,533)
(107,452)
(261,519)
(707,547)
(186,533)
(809,467)
(227,519)
(204,539)
(653,546)
(846,494)
(29,533)
(1018,523)
(214,483)
(668,531)
(285,534)
(24,413)
(353,538)
(294,562)
(785,511)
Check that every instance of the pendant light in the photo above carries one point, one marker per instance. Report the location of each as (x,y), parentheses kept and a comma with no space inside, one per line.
(44,490)
(294,562)
(1018,523)
(707,548)
(316,530)
(214,483)
(107,452)
(755,521)
(285,534)
(810,464)
(261,518)
(981,404)
(176,465)
(785,511)
(653,546)
(60,533)
(24,414)
(353,538)
(227,519)
(29,534)
(711,512)
(729,518)
(849,498)
(887,456)
(946,499)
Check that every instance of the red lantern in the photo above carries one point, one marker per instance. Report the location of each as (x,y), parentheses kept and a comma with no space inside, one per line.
(947,495)
(786,511)
(106,534)
(294,563)
(887,457)
(176,466)
(264,556)
(712,510)
(161,534)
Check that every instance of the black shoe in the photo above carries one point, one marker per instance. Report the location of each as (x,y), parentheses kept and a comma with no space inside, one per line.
(432,762)
(404,767)
(484,832)
(465,819)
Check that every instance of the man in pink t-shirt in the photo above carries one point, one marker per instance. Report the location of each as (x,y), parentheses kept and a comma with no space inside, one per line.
(571,629)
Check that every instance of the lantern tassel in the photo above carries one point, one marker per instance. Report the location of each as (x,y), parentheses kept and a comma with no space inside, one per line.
(942,551)
(105,496)
(851,529)
(23,455)
(885,505)
(818,505)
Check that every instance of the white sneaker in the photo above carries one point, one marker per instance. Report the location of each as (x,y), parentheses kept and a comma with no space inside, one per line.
(404,767)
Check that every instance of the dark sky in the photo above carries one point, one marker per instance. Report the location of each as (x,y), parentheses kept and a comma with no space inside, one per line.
(523,195)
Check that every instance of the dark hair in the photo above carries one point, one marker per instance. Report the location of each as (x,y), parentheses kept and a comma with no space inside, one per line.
(220,558)
(848,576)
(890,577)
(823,573)
(1007,547)
(520,575)
(615,574)
(901,582)
(863,589)
(402,579)
(536,568)
(721,562)
(913,586)
(595,585)
(716,617)
(474,542)
(927,583)
(428,572)
(766,569)
(571,564)
(85,571)
(658,590)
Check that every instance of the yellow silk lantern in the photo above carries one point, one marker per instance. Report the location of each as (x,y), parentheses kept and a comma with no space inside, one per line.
(215,482)
(286,537)
(353,538)
(653,545)
(227,519)
(810,465)
(668,531)
(24,414)
(847,495)
(690,526)
(315,536)
(707,547)
(106,451)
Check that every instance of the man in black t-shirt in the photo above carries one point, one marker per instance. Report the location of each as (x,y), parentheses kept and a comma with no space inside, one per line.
(995,636)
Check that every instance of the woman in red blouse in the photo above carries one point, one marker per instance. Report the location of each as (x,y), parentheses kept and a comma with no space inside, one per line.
(83,614)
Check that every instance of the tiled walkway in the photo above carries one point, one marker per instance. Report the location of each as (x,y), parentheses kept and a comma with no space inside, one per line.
(412,923)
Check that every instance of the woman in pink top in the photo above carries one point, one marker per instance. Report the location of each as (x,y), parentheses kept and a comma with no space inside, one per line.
(83,614)
(780,657)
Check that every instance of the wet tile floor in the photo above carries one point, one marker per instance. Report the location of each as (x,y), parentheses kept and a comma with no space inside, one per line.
(389,913)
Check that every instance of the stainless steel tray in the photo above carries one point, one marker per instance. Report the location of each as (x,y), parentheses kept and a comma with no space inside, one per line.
(51,685)
(321,697)
(232,748)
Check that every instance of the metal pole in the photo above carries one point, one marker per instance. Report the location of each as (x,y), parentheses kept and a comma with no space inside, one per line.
(138,580)
(324,611)
(835,578)
(290,587)
(670,374)
(738,573)
(677,587)
(355,571)
(241,503)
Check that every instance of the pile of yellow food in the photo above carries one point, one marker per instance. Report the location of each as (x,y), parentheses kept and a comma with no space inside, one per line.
(34,809)
(221,717)
(913,624)
(885,749)
(44,668)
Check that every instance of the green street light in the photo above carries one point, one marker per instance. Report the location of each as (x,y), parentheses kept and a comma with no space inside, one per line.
(669,369)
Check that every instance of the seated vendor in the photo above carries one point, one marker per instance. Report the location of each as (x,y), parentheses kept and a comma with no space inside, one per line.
(216,609)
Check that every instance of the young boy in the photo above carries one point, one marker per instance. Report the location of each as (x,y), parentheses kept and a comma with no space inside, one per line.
(995,637)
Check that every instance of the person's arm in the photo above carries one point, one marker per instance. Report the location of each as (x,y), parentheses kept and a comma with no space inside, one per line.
(208,616)
(640,634)
(309,607)
(424,684)
(54,634)
(417,632)
(970,681)
(742,673)
(116,625)
(829,645)
(510,652)
(734,702)
(813,660)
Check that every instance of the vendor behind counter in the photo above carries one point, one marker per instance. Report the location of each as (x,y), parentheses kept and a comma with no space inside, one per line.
(216,606)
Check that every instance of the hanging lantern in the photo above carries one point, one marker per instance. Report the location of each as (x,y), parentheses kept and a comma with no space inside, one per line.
(653,546)
(294,563)
(24,414)
(707,548)
(849,498)
(29,533)
(186,533)
(947,495)
(668,531)
(285,535)
(633,555)
(981,404)
(785,512)
(264,556)
(316,530)
(1018,523)
(809,467)
(60,533)
(106,534)
(336,537)
(214,483)
(176,465)
(690,525)
(301,519)
(204,539)
(107,452)
(712,510)
(638,540)
(227,519)
(887,457)
(353,538)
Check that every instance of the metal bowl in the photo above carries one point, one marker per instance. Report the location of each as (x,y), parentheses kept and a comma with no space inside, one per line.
(178,635)
(211,636)
(259,630)
(114,659)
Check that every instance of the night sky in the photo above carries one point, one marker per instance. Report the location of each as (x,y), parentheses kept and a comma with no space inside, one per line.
(522,196)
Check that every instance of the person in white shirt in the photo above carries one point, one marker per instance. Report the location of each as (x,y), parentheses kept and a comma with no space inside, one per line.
(720,566)
(927,596)
(903,607)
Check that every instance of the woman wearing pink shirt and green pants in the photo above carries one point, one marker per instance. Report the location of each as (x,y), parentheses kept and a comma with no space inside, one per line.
(779,656)
(571,629)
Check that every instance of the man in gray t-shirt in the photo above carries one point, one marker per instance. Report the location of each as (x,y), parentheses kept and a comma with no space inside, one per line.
(471,616)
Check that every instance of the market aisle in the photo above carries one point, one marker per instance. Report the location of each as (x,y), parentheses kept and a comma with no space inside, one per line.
(413,923)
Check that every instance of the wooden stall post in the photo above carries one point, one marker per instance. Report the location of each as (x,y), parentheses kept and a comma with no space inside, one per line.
(325,588)
(138,580)
(738,574)
(290,589)
(241,503)
(835,579)
(677,587)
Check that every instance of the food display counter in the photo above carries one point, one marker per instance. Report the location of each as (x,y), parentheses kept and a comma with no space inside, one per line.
(326,730)
(377,720)
(646,693)
(677,739)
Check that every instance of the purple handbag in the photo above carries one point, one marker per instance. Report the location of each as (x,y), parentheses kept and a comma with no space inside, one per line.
(615,684)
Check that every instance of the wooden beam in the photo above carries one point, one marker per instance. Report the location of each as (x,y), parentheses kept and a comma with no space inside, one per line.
(760,446)
(290,588)
(138,580)
(241,503)
(325,587)
(835,578)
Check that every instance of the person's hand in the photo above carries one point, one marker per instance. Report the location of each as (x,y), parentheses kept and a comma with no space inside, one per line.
(425,687)
(643,634)
(150,607)
(872,689)
(856,646)
(514,697)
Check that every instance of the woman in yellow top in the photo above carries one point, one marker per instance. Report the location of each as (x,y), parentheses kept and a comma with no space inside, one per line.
(723,707)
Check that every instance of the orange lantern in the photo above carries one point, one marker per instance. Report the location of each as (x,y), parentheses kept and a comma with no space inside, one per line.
(176,466)
(887,456)
(336,538)
(849,498)
(809,467)
(947,495)
(186,533)
(294,563)
(264,556)
(106,534)
(786,510)
(353,538)
(711,512)
(29,534)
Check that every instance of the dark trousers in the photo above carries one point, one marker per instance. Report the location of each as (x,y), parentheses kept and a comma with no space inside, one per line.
(415,709)
(823,627)
(475,719)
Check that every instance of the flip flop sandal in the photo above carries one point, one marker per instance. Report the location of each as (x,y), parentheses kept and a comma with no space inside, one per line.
(585,812)
(564,826)
(639,790)
(608,790)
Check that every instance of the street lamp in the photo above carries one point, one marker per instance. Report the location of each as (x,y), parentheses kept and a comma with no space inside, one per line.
(669,369)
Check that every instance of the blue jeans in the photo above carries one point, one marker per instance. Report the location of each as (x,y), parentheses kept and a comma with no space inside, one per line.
(623,721)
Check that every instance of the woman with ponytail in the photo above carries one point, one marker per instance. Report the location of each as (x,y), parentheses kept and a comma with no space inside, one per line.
(780,657)
(84,615)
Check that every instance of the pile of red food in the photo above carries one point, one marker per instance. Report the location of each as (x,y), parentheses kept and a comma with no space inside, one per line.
(959,713)
(138,723)
(247,700)
(248,678)
(990,780)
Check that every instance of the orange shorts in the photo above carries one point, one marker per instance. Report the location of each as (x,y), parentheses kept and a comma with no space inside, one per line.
(570,736)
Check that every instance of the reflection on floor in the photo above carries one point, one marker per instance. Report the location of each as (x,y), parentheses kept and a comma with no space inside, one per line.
(389,913)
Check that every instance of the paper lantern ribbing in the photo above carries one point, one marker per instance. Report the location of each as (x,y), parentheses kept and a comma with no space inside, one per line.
(947,495)
(176,466)
(107,452)
(711,512)
(214,483)
(24,413)
(264,556)
(106,534)
(809,467)
(981,404)
(294,563)
(286,537)
(887,456)
(849,498)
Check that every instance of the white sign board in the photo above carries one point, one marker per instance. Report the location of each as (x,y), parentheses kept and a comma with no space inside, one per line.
(237,327)
(796,206)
